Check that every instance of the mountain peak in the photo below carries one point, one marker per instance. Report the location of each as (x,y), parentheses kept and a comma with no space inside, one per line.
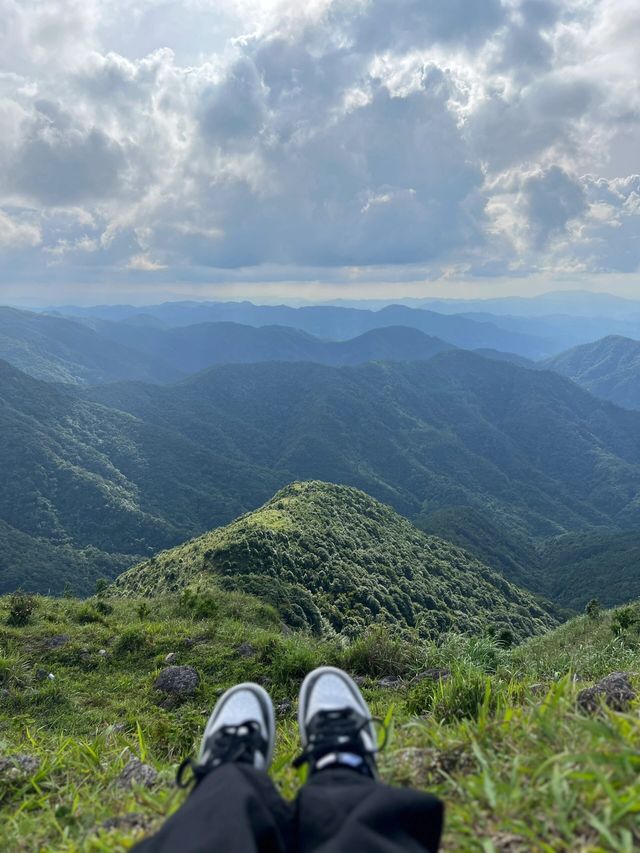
(331,558)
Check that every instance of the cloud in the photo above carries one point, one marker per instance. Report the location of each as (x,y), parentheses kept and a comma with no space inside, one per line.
(491,138)
(17,235)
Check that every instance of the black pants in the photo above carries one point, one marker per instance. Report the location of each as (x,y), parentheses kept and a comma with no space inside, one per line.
(237,809)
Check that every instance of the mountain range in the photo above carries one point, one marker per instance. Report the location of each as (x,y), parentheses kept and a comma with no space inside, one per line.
(129,468)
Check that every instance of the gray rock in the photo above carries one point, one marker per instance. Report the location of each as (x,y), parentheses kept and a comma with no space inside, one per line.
(171,657)
(57,641)
(245,650)
(283,708)
(390,681)
(137,773)
(359,680)
(432,675)
(15,768)
(177,681)
(614,689)
(127,822)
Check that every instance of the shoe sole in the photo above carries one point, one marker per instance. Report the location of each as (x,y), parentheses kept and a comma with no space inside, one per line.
(265,704)
(306,688)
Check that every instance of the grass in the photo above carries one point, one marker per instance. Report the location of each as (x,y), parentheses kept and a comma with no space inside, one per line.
(500,739)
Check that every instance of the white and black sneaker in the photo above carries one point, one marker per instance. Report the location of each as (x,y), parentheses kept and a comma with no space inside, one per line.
(241,729)
(336,728)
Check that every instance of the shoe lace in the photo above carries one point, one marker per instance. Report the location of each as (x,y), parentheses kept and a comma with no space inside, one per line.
(338,731)
(238,743)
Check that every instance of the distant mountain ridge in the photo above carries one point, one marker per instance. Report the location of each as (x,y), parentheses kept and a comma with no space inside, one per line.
(332,558)
(58,349)
(331,322)
(608,368)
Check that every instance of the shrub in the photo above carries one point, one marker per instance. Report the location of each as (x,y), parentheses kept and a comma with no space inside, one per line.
(593,609)
(623,619)
(102,585)
(130,642)
(21,607)
(142,610)
(104,608)
(87,614)
(464,695)
(377,652)
(199,604)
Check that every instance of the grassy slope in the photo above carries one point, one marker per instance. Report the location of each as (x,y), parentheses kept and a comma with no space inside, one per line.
(331,558)
(522,772)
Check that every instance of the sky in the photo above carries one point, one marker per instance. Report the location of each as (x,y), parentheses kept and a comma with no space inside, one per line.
(158,149)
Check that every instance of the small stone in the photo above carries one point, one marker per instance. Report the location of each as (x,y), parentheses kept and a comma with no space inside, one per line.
(615,689)
(171,657)
(432,675)
(17,767)
(57,641)
(137,773)
(102,652)
(284,708)
(359,680)
(177,680)
(245,650)
(127,822)
(390,681)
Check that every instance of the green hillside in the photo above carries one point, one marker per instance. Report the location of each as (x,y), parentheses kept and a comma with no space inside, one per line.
(608,368)
(58,349)
(499,738)
(527,454)
(474,450)
(331,558)
(88,490)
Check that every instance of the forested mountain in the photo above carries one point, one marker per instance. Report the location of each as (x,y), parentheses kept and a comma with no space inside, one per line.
(58,349)
(475,450)
(85,490)
(331,322)
(609,368)
(332,558)
(193,348)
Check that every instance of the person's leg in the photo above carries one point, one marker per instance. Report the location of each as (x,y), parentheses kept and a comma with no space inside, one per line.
(340,810)
(234,806)
(343,807)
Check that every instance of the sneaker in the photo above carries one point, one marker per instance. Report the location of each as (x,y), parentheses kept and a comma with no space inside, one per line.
(240,729)
(336,728)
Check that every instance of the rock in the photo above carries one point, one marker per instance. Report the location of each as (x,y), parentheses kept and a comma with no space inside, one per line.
(102,652)
(283,708)
(432,675)
(245,650)
(286,630)
(15,768)
(390,681)
(177,681)
(171,657)
(359,680)
(57,641)
(127,822)
(137,773)
(615,689)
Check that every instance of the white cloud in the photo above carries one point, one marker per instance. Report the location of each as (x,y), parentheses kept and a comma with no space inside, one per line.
(17,235)
(193,136)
